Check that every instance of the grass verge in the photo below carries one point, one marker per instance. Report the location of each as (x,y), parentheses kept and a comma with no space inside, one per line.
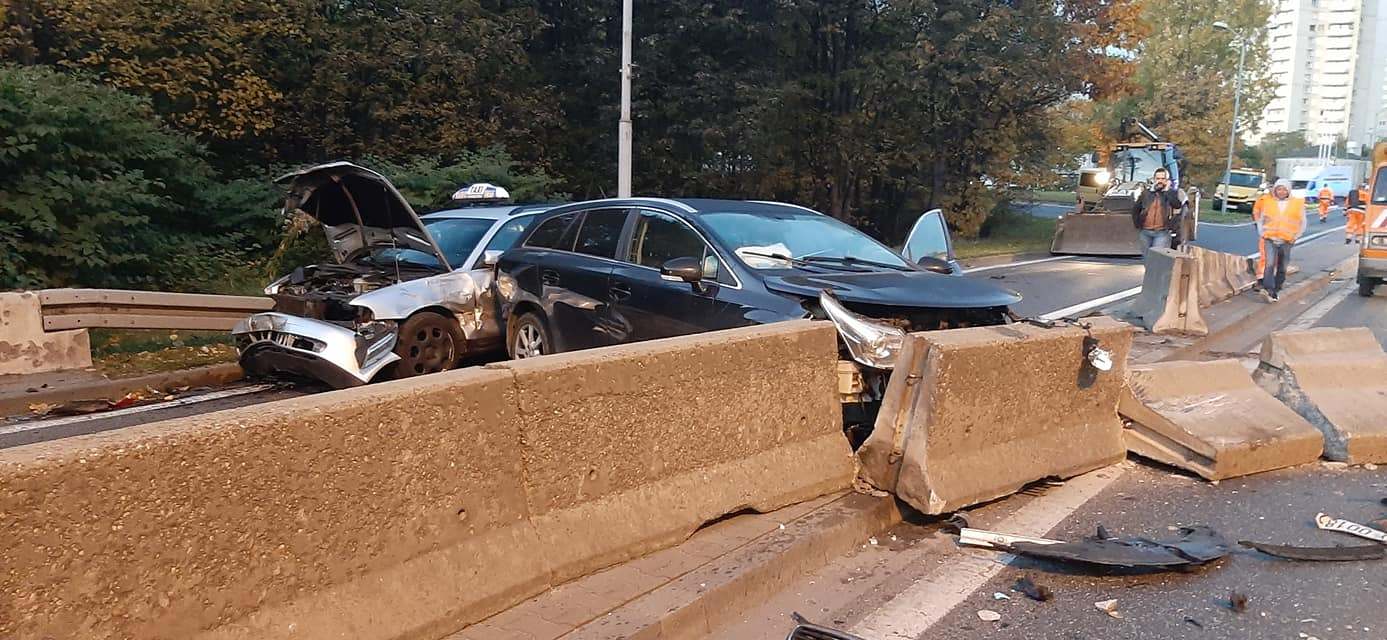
(1014,234)
(123,353)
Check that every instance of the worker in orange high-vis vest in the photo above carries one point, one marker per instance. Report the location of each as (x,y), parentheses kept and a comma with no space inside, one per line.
(1356,210)
(1264,201)
(1326,198)
(1281,225)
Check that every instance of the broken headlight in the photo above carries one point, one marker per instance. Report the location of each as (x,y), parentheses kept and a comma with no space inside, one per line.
(875,344)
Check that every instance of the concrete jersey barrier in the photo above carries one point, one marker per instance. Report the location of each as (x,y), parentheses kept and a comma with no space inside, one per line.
(412,508)
(1169,300)
(981,412)
(1210,418)
(1337,380)
(26,348)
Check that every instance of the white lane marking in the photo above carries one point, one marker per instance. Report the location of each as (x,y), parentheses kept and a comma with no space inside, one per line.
(1091,304)
(101,415)
(1018,264)
(1305,239)
(913,611)
(1226,224)
(1314,314)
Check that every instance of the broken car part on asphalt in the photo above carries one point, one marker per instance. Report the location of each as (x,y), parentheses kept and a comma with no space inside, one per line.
(806,630)
(1319,554)
(1353,528)
(1194,546)
(405,295)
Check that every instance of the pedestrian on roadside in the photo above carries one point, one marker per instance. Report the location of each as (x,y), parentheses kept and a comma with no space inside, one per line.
(1325,198)
(1263,201)
(1356,211)
(1158,212)
(1280,226)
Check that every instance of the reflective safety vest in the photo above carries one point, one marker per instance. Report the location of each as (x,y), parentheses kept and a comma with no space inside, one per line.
(1326,198)
(1284,226)
(1266,200)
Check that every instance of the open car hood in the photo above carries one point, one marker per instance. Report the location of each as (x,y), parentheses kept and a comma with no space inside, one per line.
(359,209)
(917,289)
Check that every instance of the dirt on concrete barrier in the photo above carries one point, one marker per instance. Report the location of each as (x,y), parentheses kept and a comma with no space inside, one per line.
(409,509)
(26,348)
(981,412)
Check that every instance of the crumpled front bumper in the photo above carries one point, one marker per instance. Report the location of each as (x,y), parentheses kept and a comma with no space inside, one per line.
(278,344)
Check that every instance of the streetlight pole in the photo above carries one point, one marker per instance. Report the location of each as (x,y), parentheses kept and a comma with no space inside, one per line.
(1237,104)
(624,133)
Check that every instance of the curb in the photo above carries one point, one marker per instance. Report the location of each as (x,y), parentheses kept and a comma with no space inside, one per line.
(1262,314)
(210,375)
(721,591)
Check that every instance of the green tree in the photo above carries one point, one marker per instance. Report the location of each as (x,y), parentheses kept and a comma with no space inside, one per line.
(93,191)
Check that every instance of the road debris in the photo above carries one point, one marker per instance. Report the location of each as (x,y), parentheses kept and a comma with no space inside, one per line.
(1319,554)
(1195,545)
(806,630)
(1189,620)
(998,595)
(1109,607)
(995,540)
(988,615)
(1345,526)
(1237,602)
(1037,592)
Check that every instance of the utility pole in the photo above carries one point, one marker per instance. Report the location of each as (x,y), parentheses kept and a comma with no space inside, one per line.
(1237,104)
(624,134)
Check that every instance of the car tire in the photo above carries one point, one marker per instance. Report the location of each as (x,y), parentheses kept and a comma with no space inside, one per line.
(1366,286)
(427,343)
(527,337)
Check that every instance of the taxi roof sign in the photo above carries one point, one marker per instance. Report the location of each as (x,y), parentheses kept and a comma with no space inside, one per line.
(481,192)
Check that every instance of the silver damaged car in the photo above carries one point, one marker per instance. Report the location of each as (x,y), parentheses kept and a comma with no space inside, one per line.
(403,296)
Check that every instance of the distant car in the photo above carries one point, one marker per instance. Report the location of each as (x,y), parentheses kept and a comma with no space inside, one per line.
(404,296)
(615,271)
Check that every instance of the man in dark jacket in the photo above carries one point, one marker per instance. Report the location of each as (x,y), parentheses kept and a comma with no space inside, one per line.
(1157,213)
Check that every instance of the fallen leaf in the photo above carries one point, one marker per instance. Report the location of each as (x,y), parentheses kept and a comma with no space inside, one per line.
(41,408)
(1237,602)
(1109,607)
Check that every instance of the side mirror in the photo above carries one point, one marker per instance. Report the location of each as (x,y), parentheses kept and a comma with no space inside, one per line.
(931,263)
(491,258)
(689,270)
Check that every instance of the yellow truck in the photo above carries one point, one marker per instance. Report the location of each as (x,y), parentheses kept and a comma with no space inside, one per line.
(1243,187)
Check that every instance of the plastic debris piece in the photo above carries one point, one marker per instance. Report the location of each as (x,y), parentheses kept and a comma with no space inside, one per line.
(1189,620)
(988,615)
(1237,602)
(1037,592)
(806,630)
(1319,554)
(1345,526)
(995,540)
(1195,545)
(1109,607)
(998,595)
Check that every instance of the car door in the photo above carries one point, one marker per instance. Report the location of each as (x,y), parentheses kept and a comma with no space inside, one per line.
(575,276)
(647,305)
(930,245)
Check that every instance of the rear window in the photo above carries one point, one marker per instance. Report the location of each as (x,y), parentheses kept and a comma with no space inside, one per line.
(601,233)
(550,233)
(1380,186)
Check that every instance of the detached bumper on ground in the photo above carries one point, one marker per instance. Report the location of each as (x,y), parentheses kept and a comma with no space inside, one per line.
(277,344)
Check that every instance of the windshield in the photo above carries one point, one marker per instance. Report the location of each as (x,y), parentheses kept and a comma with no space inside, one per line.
(1136,164)
(457,237)
(794,234)
(1380,186)
(1244,180)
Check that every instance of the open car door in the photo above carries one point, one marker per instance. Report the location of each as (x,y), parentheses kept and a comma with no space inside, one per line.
(930,245)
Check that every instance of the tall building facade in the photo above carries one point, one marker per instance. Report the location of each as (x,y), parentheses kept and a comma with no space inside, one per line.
(1329,60)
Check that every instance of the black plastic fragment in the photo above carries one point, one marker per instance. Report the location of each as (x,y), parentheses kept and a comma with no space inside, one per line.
(806,630)
(1194,545)
(1037,592)
(1319,554)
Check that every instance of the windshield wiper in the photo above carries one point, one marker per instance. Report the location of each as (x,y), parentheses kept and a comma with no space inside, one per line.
(774,256)
(850,260)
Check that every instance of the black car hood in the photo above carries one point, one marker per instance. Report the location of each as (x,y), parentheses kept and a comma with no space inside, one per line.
(921,289)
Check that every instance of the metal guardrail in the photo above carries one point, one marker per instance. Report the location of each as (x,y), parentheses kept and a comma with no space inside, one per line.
(118,308)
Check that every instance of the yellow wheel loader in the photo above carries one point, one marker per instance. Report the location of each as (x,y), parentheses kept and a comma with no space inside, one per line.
(1101,224)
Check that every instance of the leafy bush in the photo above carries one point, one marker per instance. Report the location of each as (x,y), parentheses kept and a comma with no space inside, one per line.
(95,192)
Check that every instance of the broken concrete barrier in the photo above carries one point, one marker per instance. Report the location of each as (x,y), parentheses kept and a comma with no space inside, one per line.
(409,509)
(975,414)
(1337,380)
(26,348)
(1169,300)
(1221,275)
(1210,418)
